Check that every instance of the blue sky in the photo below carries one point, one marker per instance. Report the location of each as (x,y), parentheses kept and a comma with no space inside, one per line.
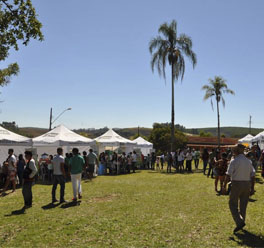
(95,59)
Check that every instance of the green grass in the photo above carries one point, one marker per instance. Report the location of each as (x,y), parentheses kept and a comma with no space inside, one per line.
(146,209)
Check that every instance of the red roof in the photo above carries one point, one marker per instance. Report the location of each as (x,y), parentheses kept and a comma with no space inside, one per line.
(195,140)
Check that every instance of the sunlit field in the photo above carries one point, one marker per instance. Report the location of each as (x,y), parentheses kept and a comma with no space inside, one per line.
(146,209)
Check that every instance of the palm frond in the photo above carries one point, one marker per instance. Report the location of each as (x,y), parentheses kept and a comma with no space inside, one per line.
(223,101)
(216,87)
(167,47)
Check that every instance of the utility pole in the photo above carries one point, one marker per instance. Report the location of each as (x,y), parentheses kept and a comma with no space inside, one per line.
(50,119)
(250,121)
(138,131)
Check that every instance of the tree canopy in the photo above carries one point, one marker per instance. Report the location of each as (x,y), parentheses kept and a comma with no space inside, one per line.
(172,48)
(18,24)
(160,137)
(216,88)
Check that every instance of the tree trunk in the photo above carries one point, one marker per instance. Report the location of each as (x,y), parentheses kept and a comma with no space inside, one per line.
(172,106)
(218,124)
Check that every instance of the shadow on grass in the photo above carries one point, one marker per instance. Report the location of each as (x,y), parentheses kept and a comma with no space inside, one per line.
(248,239)
(172,173)
(71,204)
(50,206)
(259,180)
(16,212)
(252,200)
(122,174)
(5,194)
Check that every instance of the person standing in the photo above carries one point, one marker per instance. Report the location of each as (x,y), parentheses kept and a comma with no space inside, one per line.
(241,172)
(28,175)
(50,168)
(189,157)
(11,174)
(86,173)
(92,161)
(196,158)
(222,165)
(205,157)
(181,158)
(211,163)
(76,167)
(162,159)
(153,160)
(134,161)
(59,176)
(170,161)
(20,168)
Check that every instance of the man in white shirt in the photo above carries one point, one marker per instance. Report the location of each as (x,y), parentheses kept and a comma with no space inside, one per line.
(189,157)
(92,161)
(59,176)
(241,172)
(134,161)
(29,172)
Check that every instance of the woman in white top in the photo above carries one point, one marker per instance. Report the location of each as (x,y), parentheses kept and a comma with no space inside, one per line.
(181,157)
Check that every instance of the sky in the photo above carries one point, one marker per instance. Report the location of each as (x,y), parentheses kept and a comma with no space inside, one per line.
(95,59)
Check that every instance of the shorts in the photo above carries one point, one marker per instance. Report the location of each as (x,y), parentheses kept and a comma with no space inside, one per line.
(12,175)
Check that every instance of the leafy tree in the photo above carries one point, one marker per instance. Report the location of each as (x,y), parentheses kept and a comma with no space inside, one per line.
(18,23)
(172,48)
(216,88)
(205,134)
(160,137)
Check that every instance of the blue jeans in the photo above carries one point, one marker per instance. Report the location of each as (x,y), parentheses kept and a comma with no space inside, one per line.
(58,179)
(205,162)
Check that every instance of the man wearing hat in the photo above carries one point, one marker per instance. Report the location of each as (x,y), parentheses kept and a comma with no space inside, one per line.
(28,175)
(241,173)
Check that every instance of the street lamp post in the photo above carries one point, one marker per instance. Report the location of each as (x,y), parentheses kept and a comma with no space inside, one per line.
(52,121)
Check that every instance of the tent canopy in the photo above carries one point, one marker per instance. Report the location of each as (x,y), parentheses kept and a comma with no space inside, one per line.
(8,137)
(247,139)
(142,142)
(111,138)
(61,136)
(259,137)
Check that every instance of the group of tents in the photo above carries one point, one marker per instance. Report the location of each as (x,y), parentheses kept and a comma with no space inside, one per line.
(249,139)
(67,139)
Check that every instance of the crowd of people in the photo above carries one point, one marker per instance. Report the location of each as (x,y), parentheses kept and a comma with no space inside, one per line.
(234,169)
(24,172)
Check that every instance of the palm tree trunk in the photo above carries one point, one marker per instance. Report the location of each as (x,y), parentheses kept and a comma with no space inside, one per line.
(172,106)
(218,124)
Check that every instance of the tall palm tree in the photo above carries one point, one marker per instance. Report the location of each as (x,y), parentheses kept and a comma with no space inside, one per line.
(216,88)
(172,48)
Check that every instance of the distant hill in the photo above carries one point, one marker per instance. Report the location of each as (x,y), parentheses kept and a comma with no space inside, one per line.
(128,133)
(232,132)
(32,132)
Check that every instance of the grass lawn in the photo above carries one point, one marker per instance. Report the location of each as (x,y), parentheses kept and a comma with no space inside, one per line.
(146,209)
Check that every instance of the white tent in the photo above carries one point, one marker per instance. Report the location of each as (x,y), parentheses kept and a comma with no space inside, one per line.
(143,145)
(259,138)
(61,137)
(113,141)
(247,139)
(12,140)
